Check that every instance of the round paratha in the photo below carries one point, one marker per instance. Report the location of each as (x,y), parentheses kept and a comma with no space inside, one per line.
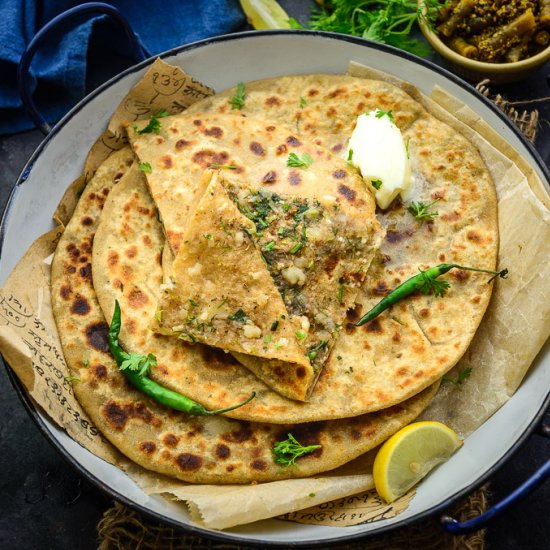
(194,449)
(412,344)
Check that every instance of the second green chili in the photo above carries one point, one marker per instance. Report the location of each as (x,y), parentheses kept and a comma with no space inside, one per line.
(424,282)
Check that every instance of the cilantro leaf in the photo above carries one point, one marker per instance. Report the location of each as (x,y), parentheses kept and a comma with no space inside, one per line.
(237,101)
(145,167)
(154,123)
(239,316)
(136,362)
(421,210)
(461,377)
(430,284)
(376,184)
(386,21)
(294,161)
(286,452)
(380,113)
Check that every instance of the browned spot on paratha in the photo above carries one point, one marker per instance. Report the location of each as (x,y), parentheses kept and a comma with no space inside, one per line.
(207,157)
(188,462)
(281,150)
(347,192)
(257,149)
(294,178)
(293,141)
(245,433)
(258,464)
(270,177)
(96,336)
(393,236)
(182,144)
(148,447)
(99,371)
(339,174)
(86,272)
(273,100)
(373,326)
(80,306)
(170,440)
(166,161)
(118,415)
(65,292)
(214,131)
(222,451)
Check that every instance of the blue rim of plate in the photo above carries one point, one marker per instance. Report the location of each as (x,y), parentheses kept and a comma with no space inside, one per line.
(220,535)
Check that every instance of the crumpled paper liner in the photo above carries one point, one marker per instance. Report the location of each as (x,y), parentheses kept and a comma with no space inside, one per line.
(30,344)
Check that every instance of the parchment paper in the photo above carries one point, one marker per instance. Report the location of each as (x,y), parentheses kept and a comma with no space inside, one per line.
(30,344)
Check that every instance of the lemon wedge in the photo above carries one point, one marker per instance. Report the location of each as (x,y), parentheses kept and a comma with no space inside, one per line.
(265,14)
(409,454)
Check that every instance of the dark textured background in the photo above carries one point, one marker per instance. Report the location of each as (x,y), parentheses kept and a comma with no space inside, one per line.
(44,503)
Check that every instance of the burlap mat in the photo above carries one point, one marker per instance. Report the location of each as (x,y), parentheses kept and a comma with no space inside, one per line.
(124,529)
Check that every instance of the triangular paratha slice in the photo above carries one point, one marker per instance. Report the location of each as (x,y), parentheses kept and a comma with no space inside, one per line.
(224,296)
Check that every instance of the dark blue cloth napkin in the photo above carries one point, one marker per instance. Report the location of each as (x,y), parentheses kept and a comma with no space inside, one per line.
(60,68)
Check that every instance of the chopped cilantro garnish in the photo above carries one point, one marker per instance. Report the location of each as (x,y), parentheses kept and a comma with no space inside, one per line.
(141,364)
(71,379)
(461,377)
(154,123)
(303,102)
(380,113)
(239,316)
(301,335)
(294,161)
(296,248)
(145,167)
(312,354)
(350,155)
(237,101)
(286,452)
(421,210)
(227,166)
(376,184)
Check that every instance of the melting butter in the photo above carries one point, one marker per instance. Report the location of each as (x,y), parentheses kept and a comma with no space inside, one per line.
(377,148)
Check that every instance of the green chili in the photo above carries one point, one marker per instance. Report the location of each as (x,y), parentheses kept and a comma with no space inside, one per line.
(159,393)
(424,282)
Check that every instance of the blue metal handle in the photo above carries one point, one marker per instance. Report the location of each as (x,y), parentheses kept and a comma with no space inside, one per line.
(63,18)
(455,527)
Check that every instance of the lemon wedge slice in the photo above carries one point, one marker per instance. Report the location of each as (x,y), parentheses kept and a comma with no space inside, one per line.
(265,14)
(409,454)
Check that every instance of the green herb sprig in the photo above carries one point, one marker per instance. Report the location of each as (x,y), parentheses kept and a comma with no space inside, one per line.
(294,161)
(386,21)
(154,124)
(145,167)
(286,452)
(421,210)
(424,282)
(237,101)
(461,377)
(138,363)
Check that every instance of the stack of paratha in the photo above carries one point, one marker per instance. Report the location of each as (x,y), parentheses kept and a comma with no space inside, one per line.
(241,273)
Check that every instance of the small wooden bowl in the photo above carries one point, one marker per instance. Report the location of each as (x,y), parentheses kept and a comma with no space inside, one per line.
(470,69)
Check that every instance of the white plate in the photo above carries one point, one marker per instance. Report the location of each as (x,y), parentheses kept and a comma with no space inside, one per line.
(221,63)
